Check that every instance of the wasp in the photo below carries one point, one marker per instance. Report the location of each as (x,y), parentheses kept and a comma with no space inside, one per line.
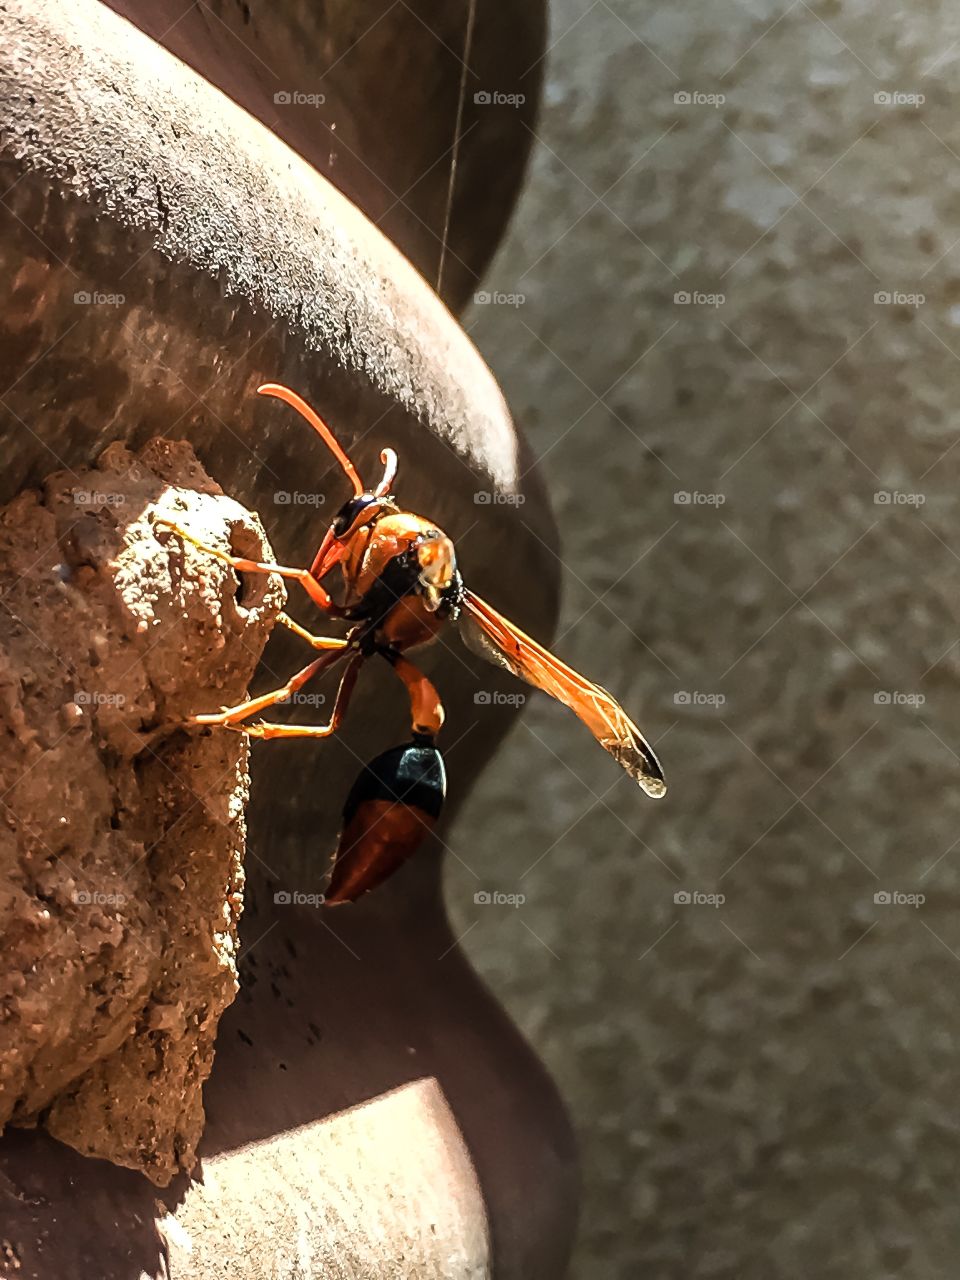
(400,588)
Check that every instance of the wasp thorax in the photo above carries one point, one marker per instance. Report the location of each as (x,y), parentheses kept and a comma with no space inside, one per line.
(438,562)
(438,567)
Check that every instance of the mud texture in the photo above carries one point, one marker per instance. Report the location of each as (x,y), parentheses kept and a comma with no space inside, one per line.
(121,835)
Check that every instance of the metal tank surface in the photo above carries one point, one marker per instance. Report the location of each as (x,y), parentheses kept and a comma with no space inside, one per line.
(169,240)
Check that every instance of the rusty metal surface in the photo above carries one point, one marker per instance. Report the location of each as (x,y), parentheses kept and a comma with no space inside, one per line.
(213,257)
(205,282)
(367,93)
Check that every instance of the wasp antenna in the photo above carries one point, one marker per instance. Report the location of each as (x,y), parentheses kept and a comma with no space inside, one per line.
(389,459)
(321,428)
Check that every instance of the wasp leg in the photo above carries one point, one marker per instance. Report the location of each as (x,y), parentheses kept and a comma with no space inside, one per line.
(426,709)
(309,583)
(230,716)
(268,731)
(318,642)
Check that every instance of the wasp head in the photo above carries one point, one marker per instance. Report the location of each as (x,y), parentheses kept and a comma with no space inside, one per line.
(362,510)
(367,505)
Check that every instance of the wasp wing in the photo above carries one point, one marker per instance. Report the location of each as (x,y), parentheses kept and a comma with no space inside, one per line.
(490,634)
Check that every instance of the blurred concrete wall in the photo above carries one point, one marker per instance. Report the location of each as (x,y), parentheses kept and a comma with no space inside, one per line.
(766,1087)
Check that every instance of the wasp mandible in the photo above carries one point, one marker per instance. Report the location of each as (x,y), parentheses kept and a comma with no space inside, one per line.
(401,586)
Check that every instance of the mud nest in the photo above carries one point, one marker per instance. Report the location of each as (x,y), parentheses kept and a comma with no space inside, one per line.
(121,834)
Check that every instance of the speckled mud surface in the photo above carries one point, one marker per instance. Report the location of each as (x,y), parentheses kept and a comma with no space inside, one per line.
(121,836)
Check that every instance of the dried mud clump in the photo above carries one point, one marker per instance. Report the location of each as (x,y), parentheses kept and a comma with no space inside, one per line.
(121,834)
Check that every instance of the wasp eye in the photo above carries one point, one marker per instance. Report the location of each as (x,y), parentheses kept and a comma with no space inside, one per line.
(356,513)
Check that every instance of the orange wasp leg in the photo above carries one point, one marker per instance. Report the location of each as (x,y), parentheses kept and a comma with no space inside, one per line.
(426,709)
(230,716)
(317,642)
(268,731)
(313,588)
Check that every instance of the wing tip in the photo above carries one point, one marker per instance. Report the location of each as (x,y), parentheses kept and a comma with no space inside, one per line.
(655,788)
(643,766)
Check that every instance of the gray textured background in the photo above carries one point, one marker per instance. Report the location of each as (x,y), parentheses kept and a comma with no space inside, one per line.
(768,1087)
